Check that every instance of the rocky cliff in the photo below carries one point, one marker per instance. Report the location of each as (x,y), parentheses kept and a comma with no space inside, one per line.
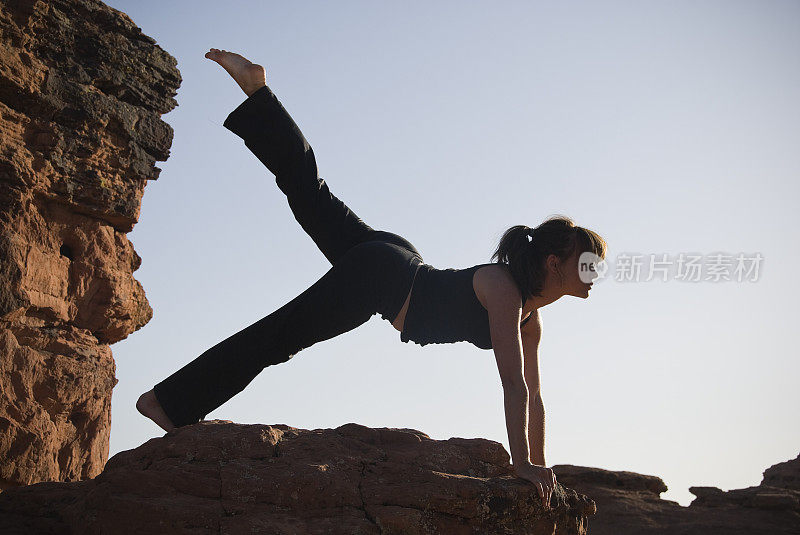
(221,477)
(629,504)
(81,95)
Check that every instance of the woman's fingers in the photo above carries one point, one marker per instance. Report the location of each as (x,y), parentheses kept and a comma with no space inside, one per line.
(544,493)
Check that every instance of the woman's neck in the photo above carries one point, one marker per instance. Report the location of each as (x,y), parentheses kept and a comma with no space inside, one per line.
(536,302)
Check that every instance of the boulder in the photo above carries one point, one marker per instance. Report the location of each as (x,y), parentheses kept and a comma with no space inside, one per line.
(222,477)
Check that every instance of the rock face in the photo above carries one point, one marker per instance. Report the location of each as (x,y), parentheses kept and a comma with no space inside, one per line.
(628,503)
(81,95)
(220,477)
(783,475)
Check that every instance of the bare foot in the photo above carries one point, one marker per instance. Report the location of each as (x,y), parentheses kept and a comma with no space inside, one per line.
(149,406)
(250,76)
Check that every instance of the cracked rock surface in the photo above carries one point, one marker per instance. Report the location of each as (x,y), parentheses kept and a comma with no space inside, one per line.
(82,91)
(220,477)
(629,504)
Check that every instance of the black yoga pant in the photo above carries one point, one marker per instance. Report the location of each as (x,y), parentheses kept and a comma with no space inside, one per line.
(372,272)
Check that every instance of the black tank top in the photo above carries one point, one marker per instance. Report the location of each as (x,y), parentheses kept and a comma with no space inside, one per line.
(443,309)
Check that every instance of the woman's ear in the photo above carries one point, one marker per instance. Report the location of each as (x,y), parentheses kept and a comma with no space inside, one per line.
(552,263)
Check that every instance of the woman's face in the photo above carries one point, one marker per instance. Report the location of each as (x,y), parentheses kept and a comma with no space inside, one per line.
(577,275)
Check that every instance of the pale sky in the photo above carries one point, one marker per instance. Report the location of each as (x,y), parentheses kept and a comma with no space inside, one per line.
(668,128)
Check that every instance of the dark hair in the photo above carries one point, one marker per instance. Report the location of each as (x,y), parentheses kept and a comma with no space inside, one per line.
(524,249)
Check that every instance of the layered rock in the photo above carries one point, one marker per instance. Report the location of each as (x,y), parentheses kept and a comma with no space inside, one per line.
(629,504)
(220,477)
(81,95)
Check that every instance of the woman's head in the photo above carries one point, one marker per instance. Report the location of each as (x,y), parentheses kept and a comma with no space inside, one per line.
(546,257)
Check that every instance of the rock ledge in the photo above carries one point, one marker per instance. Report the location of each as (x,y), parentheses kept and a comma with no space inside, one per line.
(221,477)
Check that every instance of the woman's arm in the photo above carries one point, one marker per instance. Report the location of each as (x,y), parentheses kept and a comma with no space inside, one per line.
(504,308)
(531,335)
(504,304)
(536,428)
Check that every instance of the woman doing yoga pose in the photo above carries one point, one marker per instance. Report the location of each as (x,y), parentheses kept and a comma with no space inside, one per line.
(493,306)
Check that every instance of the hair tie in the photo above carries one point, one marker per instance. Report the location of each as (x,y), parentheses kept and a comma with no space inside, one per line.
(529,234)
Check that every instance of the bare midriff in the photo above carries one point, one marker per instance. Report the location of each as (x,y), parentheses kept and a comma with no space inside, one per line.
(400,320)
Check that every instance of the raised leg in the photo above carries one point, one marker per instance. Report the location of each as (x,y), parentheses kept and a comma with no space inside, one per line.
(272,135)
(274,138)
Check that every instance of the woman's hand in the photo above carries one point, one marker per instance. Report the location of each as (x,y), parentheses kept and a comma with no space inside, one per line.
(542,477)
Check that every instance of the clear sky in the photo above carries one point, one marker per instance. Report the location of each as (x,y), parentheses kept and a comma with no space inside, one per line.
(668,128)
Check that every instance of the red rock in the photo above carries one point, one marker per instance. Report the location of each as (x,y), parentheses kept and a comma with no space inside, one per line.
(221,477)
(81,95)
(629,503)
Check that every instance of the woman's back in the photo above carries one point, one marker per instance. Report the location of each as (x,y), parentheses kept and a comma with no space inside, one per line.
(444,308)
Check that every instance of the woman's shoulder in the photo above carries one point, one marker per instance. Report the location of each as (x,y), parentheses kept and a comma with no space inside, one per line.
(495,281)
(495,272)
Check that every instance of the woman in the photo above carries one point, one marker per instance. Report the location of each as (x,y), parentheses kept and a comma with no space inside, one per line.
(376,271)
